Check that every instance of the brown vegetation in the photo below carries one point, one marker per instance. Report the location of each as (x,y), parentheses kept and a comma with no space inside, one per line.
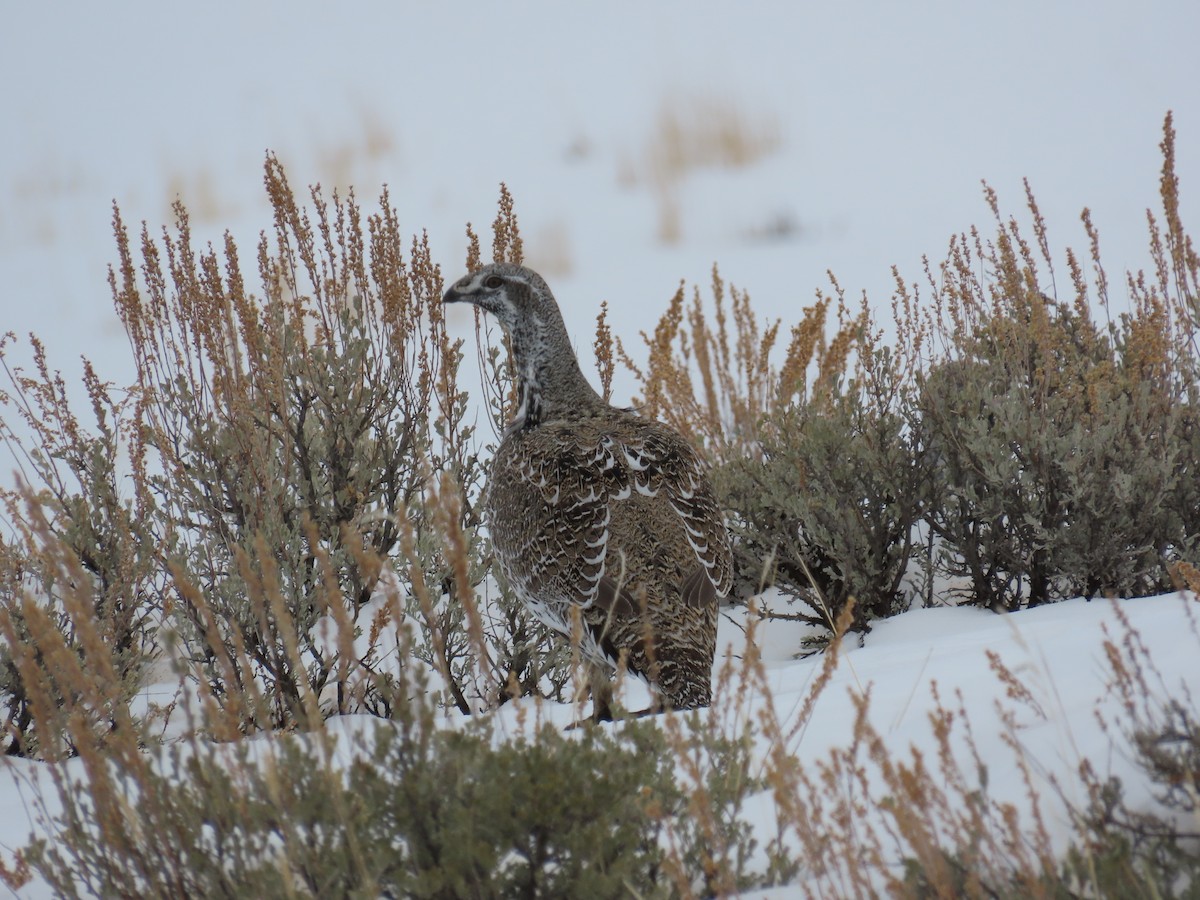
(280,516)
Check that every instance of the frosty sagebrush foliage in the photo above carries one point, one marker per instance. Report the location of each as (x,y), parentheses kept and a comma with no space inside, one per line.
(1042,494)
(423,812)
(1062,452)
(79,575)
(303,482)
(1007,443)
(829,510)
(826,504)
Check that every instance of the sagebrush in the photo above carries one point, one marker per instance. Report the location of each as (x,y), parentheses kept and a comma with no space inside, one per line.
(278,520)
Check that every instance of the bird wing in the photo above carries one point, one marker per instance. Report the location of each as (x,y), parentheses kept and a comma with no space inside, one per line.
(659,461)
(556,519)
(558,512)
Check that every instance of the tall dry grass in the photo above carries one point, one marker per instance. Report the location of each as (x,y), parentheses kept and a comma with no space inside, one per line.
(712,370)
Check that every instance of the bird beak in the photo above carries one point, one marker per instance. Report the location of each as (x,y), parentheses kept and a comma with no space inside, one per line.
(452,296)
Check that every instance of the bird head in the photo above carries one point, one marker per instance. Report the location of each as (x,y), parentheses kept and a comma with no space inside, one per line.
(515,295)
(550,382)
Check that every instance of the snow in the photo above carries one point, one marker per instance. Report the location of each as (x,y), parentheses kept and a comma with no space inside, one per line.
(888,116)
(1056,651)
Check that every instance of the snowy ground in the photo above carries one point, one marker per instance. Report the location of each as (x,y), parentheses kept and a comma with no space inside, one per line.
(1056,652)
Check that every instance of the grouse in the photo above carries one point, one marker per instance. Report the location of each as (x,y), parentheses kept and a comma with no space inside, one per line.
(603,522)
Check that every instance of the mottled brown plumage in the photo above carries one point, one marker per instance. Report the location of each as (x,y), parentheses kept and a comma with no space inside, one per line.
(597,510)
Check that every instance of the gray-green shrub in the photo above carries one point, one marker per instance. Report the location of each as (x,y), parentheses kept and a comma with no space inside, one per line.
(423,812)
(1060,468)
(828,514)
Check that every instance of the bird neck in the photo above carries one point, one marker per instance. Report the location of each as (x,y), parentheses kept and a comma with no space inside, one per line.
(550,384)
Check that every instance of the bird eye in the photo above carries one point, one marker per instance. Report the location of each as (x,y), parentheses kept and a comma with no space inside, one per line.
(492,282)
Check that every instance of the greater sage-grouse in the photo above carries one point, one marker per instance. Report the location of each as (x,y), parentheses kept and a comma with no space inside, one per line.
(598,510)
